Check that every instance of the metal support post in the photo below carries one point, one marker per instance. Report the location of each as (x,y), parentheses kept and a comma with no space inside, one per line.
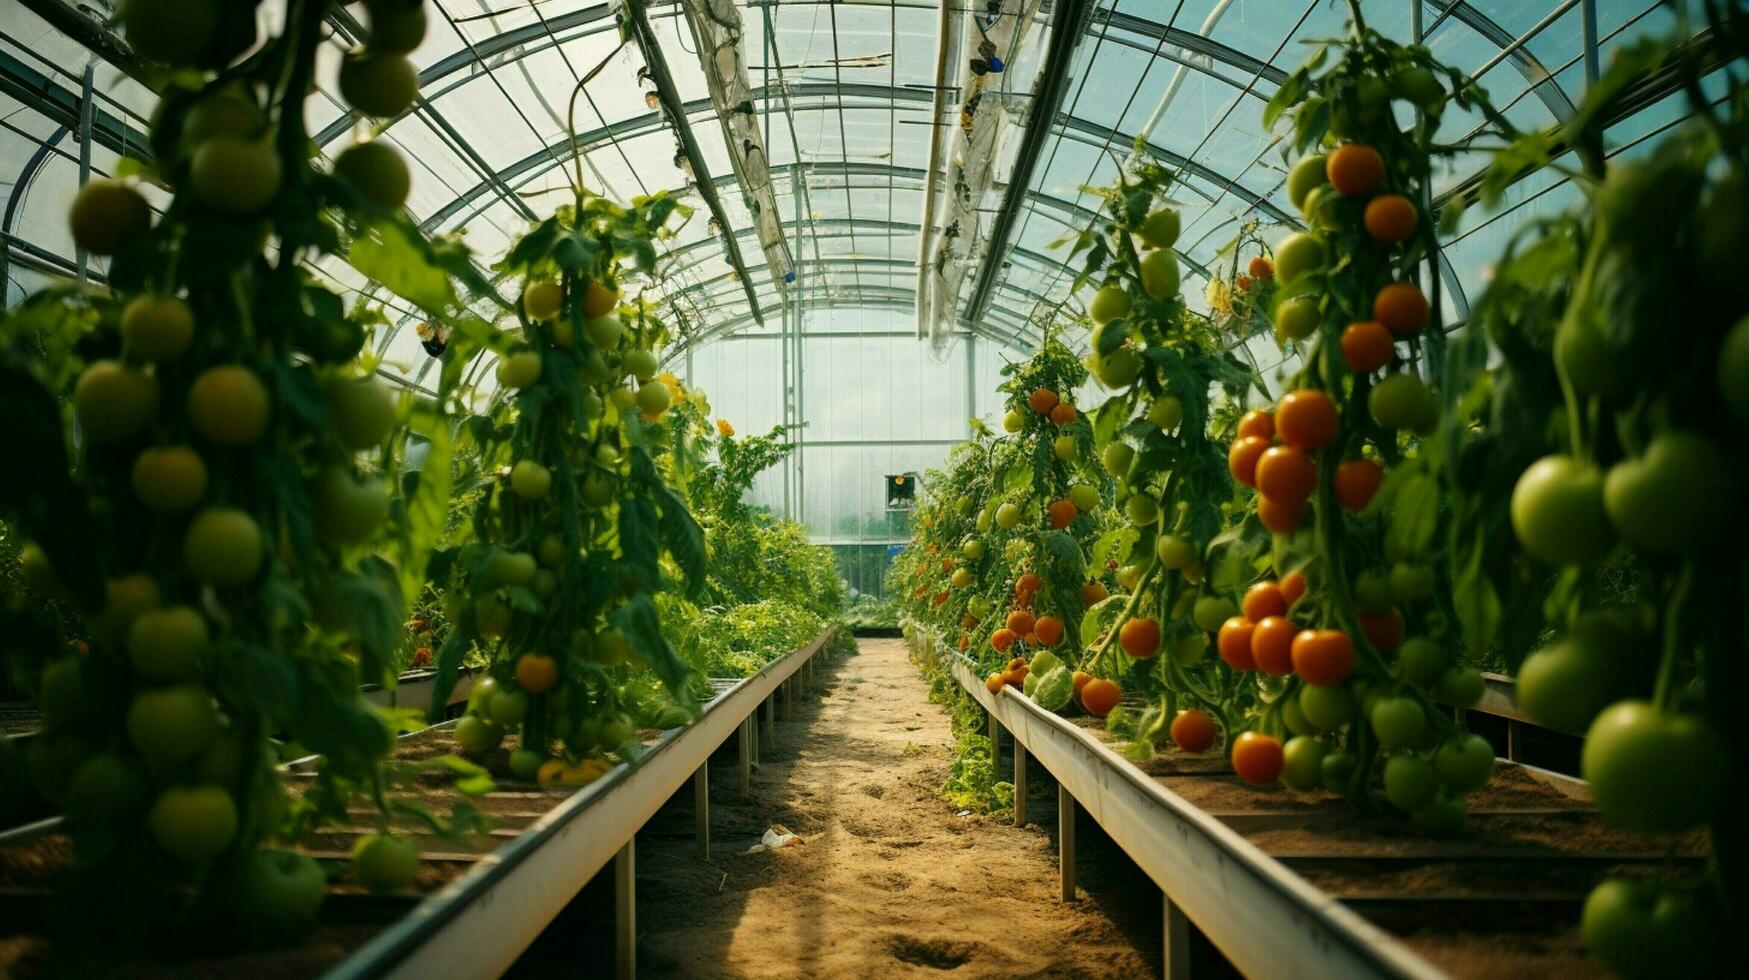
(625,911)
(1588,36)
(1019,784)
(1177,937)
(701,810)
(1066,841)
(770,709)
(86,110)
(745,752)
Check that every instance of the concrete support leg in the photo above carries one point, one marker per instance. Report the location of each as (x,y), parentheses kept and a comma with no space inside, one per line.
(1066,841)
(701,810)
(625,911)
(1177,941)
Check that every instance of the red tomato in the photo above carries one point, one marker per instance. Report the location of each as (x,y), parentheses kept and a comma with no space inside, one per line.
(1234,643)
(1272,646)
(1257,758)
(1193,731)
(1323,657)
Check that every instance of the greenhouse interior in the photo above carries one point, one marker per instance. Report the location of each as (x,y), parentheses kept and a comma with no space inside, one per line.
(821,488)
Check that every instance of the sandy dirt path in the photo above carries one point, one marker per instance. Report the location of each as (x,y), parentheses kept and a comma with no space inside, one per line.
(891,881)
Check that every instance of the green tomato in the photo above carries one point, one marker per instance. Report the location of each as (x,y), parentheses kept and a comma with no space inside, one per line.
(1302,762)
(106,789)
(1190,648)
(172,725)
(511,568)
(1586,358)
(1339,766)
(378,84)
(1295,719)
(476,735)
(962,577)
(530,480)
(616,731)
(1461,686)
(1326,708)
(1558,512)
(1175,552)
(1063,447)
(349,507)
(1653,771)
(193,824)
(378,173)
(1320,209)
(1464,764)
(1298,254)
(1141,509)
(983,521)
(1564,685)
(157,328)
(1676,498)
(525,763)
(1418,85)
(1401,402)
(1307,173)
(1084,497)
(1297,317)
(1639,929)
(1733,370)
(236,176)
(519,370)
(362,410)
(1117,458)
(1112,302)
(1421,662)
(598,488)
(654,398)
(972,549)
(1211,611)
(1160,273)
(1412,581)
(169,479)
(1160,229)
(114,403)
(1444,817)
(1399,723)
(1166,413)
(168,644)
(1007,517)
(1117,369)
(1013,421)
(385,863)
(641,363)
(1410,782)
(280,893)
(604,331)
(1372,591)
(508,708)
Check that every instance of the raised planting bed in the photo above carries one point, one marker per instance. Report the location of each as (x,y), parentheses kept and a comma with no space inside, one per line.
(1299,884)
(478,901)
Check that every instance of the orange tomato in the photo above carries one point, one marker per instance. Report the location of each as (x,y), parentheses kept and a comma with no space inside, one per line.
(1272,642)
(1257,758)
(1306,419)
(968,621)
(1390,218)
(1099,696)
(1028,583)
(537,673)
(1042,400)
(1257,422)
(1094,593)
(1367,346)
(965,643)
(1016,678)
(1140,638)
(1049,630)
(1261,268)
(1003,639)
(1355,483)
(1062,513)
(1020,622)
(1080,680)
(1193,731)
(1323,657)
(1292,586)
(995,683)
(1286,474)
(1063,413)
(1264,600)
(1233,643)
(1280,516)
(1354,169)
(1383,630)
(1242,459)
(1401,308)
(941,598)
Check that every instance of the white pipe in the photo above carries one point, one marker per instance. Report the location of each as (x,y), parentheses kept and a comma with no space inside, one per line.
(1208,24)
